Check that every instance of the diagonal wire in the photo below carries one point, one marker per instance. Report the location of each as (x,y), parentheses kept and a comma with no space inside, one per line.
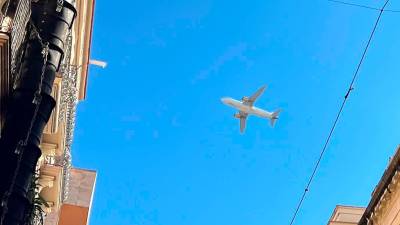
(362,6)
(338,114)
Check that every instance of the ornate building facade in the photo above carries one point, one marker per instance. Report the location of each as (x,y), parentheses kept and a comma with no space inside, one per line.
(67,192)
(384,206)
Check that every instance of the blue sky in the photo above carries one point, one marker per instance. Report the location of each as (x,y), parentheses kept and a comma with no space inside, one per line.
(168,152)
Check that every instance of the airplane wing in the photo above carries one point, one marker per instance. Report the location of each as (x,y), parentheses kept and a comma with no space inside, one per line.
(250,101)
(243,118)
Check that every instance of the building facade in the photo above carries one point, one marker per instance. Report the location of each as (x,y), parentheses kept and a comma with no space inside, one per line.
(67,191)
(346,215)
(384,206)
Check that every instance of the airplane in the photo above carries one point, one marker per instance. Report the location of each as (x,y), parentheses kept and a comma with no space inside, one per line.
(246,107)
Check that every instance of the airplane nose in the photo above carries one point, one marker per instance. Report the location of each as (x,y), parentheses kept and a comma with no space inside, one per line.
(224,100)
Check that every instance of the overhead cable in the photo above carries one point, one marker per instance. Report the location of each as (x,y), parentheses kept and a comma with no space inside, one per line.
(362,6)
(348,92)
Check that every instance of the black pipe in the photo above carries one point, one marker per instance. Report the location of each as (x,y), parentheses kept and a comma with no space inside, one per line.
(18,202)
(33,64)
(20,134)
(53,26)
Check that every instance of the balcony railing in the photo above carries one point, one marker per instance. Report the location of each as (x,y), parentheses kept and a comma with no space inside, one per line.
(13,25)
(69,101)
(18,33)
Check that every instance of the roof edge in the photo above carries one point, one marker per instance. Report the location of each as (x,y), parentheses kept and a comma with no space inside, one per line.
(382,186)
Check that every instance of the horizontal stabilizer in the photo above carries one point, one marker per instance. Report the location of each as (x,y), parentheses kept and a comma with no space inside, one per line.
(274,117)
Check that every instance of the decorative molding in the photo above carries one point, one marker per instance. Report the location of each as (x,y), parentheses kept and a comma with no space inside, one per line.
(383,192)
(52,125)
(49,154)
(51,178)
(388,199)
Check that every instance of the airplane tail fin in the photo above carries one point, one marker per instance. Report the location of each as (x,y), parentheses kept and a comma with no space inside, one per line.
(274,117)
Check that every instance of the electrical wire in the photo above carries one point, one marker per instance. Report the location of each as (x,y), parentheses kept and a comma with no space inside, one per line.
(362,6)
(350,89)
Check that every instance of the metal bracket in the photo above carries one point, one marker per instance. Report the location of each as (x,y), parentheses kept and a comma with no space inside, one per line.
(60,4)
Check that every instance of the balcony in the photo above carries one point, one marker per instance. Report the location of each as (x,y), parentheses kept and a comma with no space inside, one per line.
(346,215)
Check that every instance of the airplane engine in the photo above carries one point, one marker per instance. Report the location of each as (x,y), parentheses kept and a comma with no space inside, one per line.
(237,115)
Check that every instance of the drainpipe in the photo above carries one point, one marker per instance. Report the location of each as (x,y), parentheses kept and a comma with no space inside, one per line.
(30,106)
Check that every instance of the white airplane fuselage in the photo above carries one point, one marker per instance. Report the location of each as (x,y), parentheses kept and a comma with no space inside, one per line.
(251,110)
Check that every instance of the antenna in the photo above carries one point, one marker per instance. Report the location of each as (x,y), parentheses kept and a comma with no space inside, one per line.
(99,63)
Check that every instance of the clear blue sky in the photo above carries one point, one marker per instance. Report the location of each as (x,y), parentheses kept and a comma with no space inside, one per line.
(168,152)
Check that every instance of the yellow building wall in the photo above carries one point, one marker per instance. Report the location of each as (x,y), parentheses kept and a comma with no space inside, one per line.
(387,212)
(346,215)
